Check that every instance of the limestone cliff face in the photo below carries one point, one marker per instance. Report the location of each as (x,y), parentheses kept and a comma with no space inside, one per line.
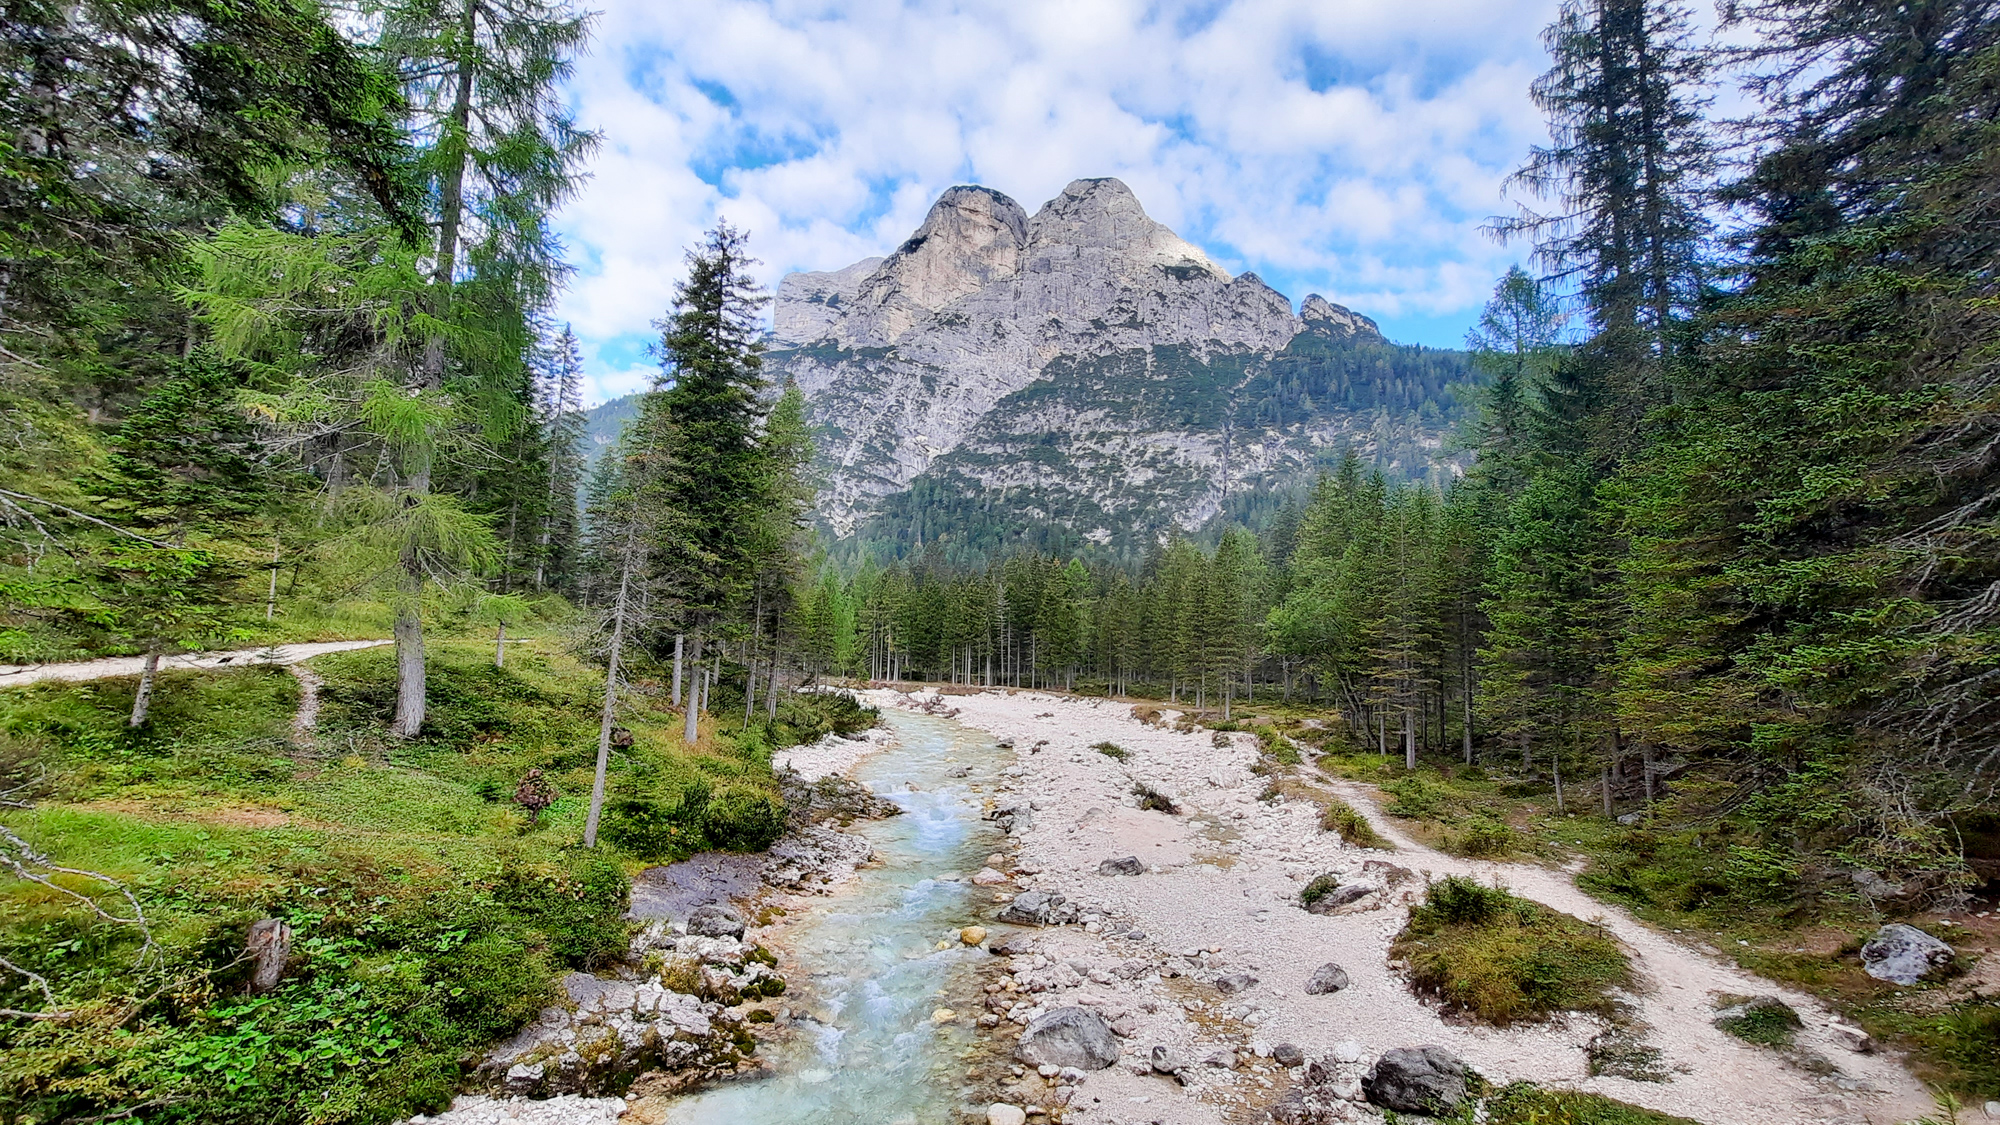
(924,357)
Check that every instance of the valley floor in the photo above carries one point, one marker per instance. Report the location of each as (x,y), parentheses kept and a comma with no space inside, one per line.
(1225,876)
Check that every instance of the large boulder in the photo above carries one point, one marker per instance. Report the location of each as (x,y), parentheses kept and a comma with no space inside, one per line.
(714,921)
(1031,908)
(1903,954)
(1075,1037)
(1327,978)
(1129,865)
(1426,1080)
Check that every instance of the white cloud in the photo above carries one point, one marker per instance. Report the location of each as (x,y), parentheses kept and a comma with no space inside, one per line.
(1351,148)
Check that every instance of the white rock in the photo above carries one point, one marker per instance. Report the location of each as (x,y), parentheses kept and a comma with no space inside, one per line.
(1000,1113)
(1347,1051)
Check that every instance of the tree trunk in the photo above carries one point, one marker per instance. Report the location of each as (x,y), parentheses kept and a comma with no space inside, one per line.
(678,641)
(691,726)
(142,701)
(271,599)
(610,693)
(1467,704)
(451,198)
(1646,764)
(1409,739)
(500,646)
(409,632)
(1609,811)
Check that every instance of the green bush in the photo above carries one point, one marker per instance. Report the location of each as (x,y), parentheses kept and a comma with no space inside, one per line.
(1318,888)
(1416,798)
(1769,1024)
(1524,1103)
(1353,827)
(1485,836)
(741,818)
(661,827)
(1112,750)
(1503,958)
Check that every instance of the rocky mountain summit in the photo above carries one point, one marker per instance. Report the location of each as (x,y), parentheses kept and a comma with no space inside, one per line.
(1082,370)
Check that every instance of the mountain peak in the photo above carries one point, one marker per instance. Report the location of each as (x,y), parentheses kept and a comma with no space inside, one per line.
(1338,320)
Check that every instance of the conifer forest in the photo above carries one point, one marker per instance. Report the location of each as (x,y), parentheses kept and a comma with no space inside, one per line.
(1706,577)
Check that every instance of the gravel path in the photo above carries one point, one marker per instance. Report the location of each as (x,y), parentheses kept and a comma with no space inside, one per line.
(1225,877)
(17,675)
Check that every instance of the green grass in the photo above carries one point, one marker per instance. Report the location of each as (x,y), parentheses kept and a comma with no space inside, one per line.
(1524,1103)
(1352,826)
(430,914)
(1112,750)
(1505,959)
(1767,1024)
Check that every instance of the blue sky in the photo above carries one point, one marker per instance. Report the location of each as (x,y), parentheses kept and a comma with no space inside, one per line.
(1351,148)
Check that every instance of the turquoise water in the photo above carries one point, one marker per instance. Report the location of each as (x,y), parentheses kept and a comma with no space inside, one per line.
(866,963)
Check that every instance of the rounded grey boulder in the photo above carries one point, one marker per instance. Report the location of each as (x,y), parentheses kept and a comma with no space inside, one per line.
(1235,983)
(1129,865)
(1903,954)
(714,921)
(1426,1080)
(1327,978)
(1075,1037)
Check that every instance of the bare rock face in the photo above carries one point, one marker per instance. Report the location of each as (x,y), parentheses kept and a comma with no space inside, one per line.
(984,333)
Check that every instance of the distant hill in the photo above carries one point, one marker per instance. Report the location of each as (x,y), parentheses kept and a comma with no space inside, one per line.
(606,421)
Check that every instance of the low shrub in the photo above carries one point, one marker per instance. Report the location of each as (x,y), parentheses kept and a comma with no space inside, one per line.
(1318,888)
(1489,953)
(1415,798)
(1768,1023)
(1153,800)
(1112,750)
(1524,1103)
(1353,827)
(1485,836)
(743,818)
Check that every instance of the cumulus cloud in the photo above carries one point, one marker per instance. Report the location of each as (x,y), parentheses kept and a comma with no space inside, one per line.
(1350,148)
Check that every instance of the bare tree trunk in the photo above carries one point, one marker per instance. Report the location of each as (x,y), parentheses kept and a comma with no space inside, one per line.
(610,692)
(1467,704)
(1409,739)
(409,632)
(691,727)
(500,646)
(1609,811)
(679,639)
(142,701)
(271,599)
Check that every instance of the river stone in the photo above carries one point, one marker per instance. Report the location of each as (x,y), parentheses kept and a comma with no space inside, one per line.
(714,921)
(1129,865)
(1030,908)
(1072,1036)
(1000,1113)
(1903,954)
(987,877)
(1426,1080)
(1288,1054)
(1327,978)
(1164,1060)
(1235,983)
(1340,896)
(972,935)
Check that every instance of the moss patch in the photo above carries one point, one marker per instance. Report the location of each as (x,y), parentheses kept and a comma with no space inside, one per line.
(1505,959)
(1524,1103)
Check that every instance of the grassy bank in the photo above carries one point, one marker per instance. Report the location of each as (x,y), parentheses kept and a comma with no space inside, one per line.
(429,911)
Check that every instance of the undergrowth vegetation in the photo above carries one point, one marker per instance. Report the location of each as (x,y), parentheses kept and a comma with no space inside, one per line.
(1505,959)
(429,912)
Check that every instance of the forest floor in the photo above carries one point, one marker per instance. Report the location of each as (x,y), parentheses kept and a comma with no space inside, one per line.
(1224,875)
